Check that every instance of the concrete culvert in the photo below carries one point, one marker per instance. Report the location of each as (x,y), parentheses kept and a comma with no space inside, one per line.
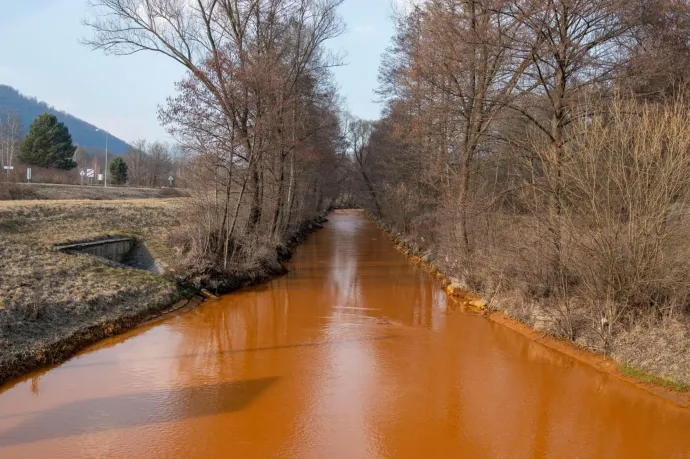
(113,248)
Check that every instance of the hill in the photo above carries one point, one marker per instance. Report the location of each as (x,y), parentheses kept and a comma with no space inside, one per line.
(83,134)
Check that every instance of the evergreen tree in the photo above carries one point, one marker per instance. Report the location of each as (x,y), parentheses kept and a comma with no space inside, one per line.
(49,144)
(118,171)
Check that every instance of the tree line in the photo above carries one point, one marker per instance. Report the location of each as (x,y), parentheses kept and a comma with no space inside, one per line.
(48,146)
(257,114)
(144,164)
(541,149)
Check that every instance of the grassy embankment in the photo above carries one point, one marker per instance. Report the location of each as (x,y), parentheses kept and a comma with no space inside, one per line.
(51,303)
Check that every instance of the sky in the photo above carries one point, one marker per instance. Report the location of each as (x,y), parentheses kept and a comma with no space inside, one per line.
(40,55)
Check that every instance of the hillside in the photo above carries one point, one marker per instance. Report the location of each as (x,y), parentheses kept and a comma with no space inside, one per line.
(83,133)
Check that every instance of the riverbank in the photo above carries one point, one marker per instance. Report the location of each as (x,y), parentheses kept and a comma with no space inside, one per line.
(650,357)
(53,304)
(667,389)
(353,332)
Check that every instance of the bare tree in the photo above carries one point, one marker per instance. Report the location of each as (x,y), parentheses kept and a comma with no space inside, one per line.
(11,130)
(459,60)
(575,46)
(257,96)
(137,160)
(82,157)
(230,47)
(659,47)
(357,133)
(157,164)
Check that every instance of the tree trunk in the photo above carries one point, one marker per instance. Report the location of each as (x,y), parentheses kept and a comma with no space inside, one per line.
(291,190)
(255,207)
(279,202)
(372,192)
(463,194)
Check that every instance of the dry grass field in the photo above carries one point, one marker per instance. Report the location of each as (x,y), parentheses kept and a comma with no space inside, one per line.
(46,297)
(46,191)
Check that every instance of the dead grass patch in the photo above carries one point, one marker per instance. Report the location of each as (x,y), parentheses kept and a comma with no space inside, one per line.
(49,297)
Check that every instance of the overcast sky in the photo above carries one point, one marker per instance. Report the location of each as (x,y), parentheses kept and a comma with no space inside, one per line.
(40,55)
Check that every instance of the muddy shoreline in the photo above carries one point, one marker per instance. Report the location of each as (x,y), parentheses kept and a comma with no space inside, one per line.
(472,303)
(598,361)
(187,296)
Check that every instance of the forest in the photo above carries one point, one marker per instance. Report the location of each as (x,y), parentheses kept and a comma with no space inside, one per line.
(538,151)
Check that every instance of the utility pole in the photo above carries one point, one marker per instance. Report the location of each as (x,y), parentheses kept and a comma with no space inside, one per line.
(106,159)
(105,173)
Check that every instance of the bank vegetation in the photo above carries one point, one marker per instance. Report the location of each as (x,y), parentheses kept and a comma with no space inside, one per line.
(53,303)
(539,152)
(257,116)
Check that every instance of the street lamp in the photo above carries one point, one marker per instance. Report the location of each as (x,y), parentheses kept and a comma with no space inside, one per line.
(105,181)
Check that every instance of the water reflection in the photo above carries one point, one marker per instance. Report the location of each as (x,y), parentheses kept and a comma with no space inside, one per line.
(133,410)
(354,354)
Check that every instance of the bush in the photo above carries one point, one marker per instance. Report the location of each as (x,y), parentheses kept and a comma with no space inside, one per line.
(118,171)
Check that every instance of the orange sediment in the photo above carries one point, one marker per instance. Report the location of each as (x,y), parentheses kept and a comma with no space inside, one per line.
(598,361)
(470,302)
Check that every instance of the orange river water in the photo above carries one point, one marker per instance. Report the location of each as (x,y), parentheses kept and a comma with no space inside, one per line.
(356,353)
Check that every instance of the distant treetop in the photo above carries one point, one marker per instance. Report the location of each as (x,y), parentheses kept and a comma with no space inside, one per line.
(48,144)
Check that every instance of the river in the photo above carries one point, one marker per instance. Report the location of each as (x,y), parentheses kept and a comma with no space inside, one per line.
(356,353)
